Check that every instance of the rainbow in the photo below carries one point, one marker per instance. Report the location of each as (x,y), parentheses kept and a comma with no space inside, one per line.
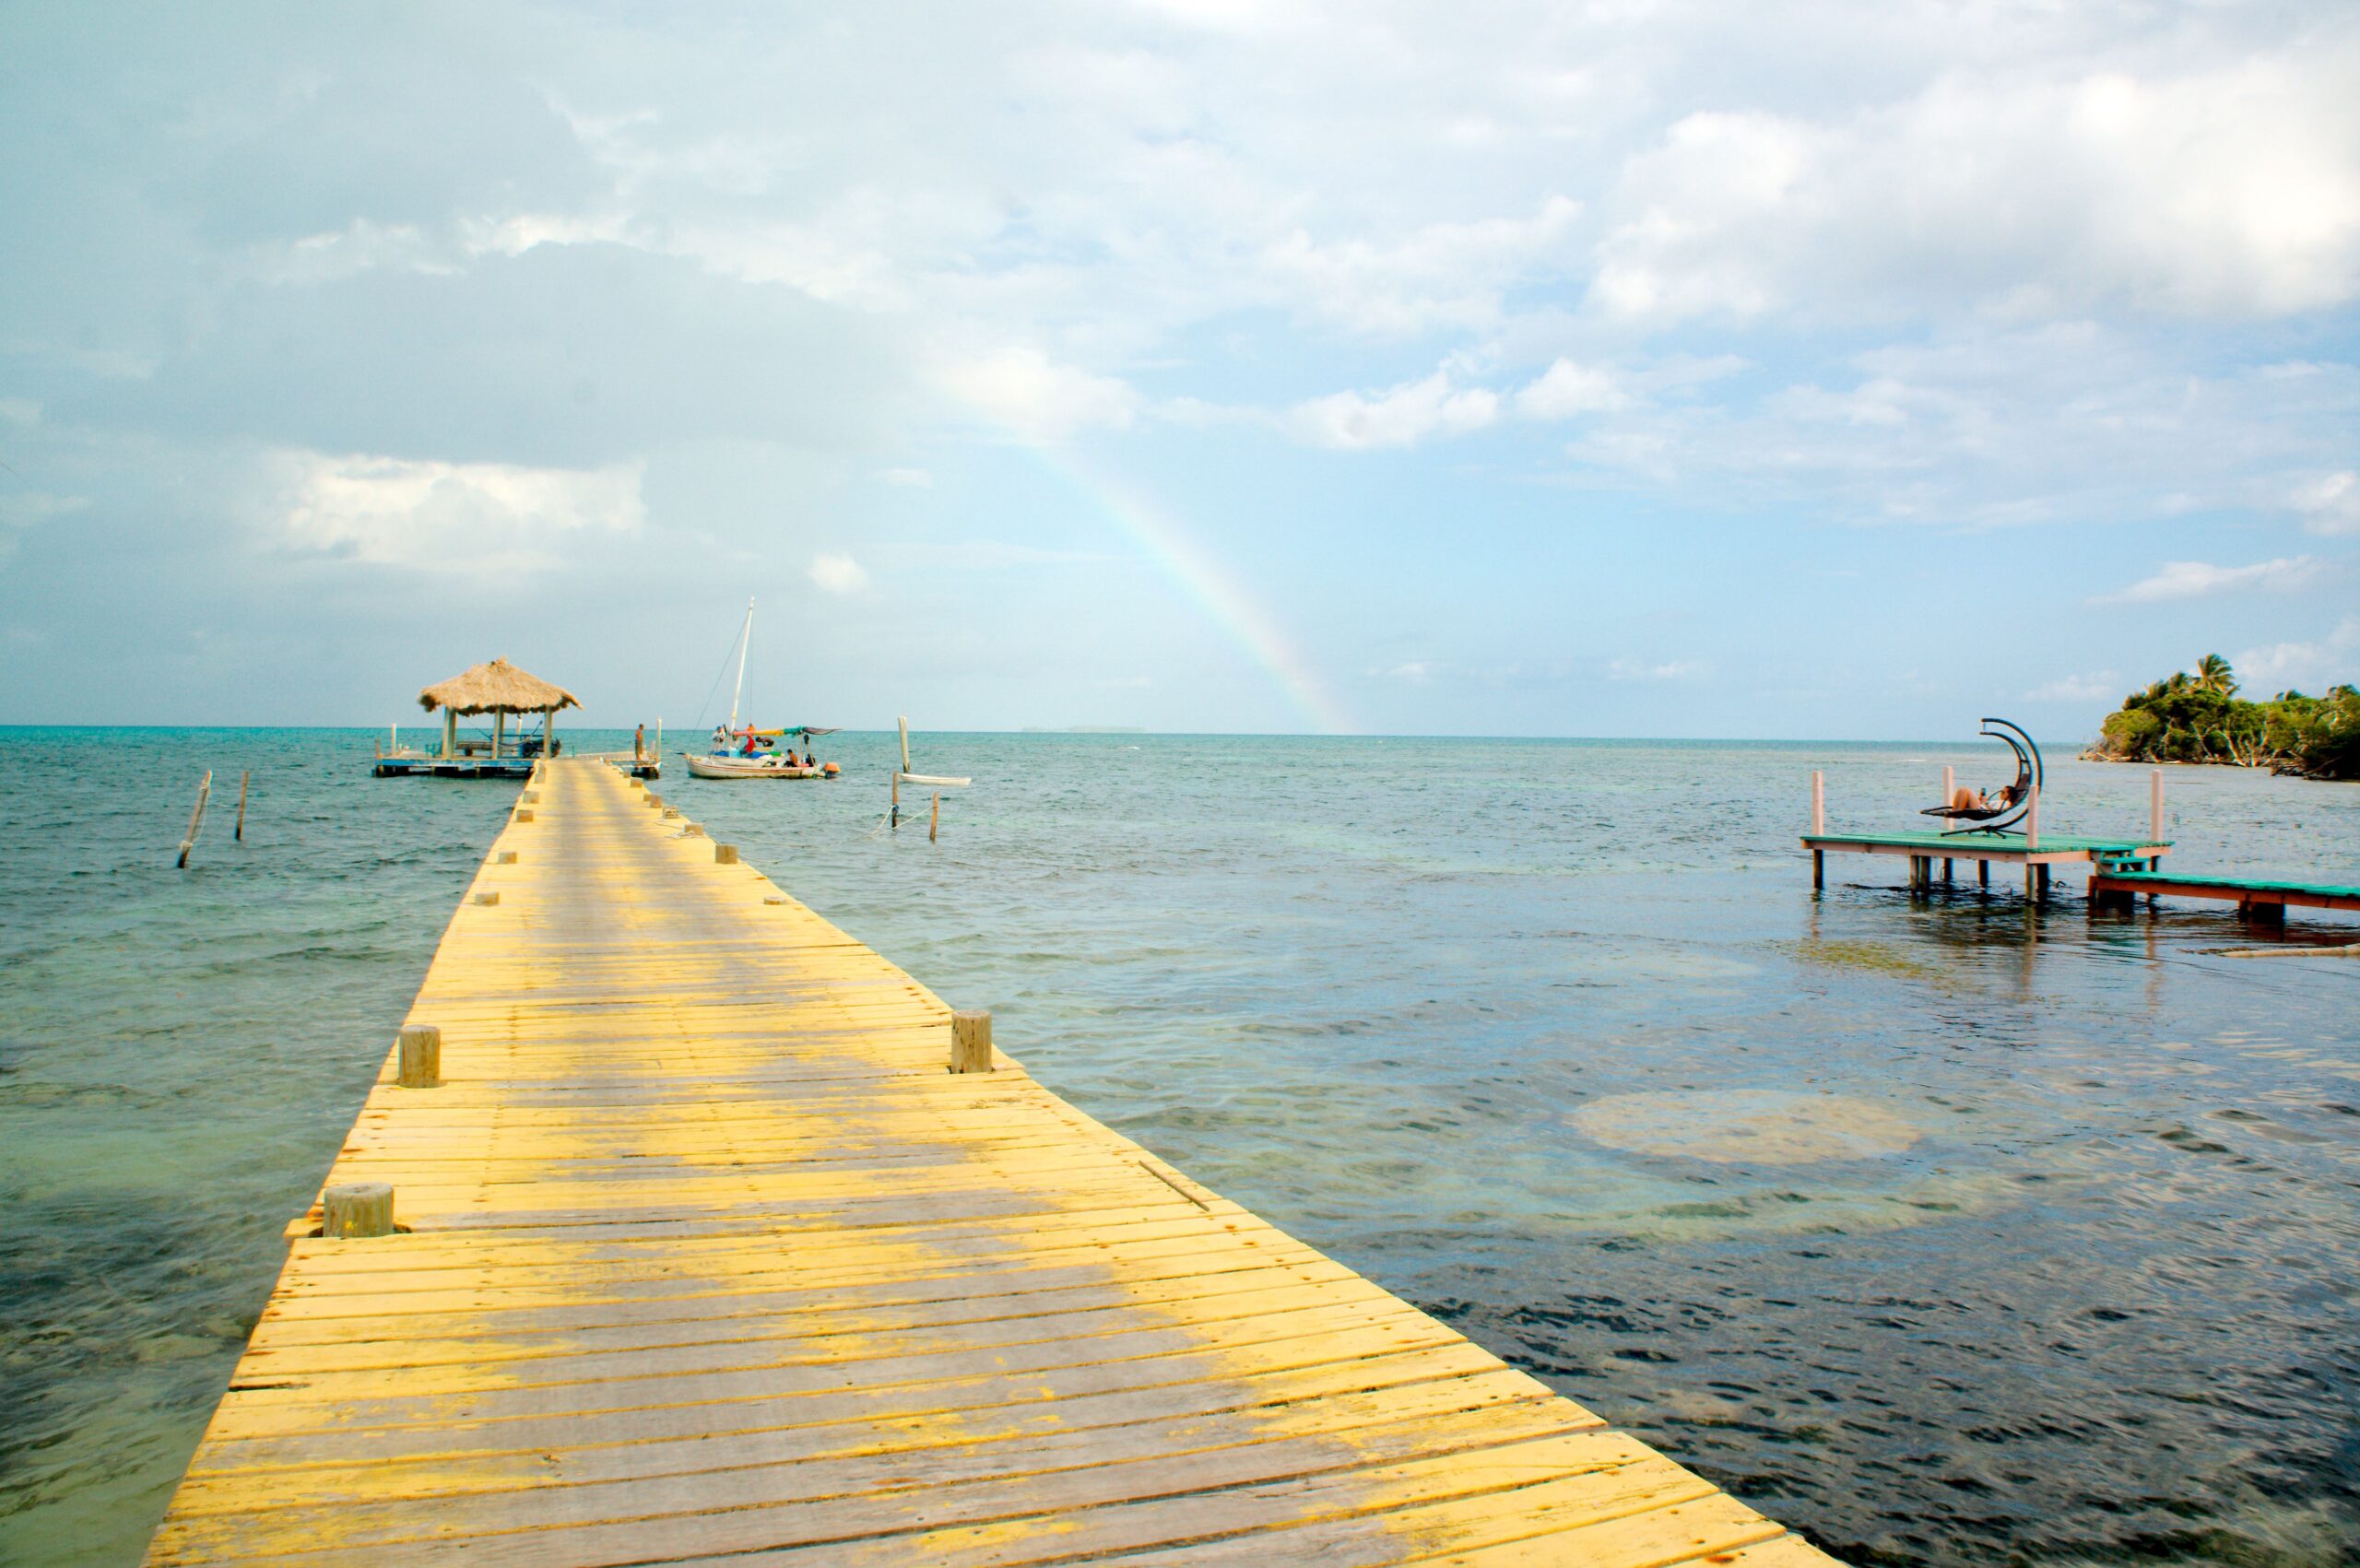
(1200,576)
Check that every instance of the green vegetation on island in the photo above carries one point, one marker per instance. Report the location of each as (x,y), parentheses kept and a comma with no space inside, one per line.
(2200,717)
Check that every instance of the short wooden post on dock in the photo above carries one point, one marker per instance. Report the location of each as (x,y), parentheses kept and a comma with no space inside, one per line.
(1949,790)
(356,1210)
(970,1043)
(492,897)
(724,854)
(420,1057)
(523,815)
(196,818)
(505,857)
(240,835)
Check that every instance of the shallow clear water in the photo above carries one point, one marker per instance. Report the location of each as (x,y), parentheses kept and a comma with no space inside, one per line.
(1947,1231)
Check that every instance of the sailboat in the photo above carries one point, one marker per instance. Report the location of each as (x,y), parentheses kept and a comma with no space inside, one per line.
(751,753)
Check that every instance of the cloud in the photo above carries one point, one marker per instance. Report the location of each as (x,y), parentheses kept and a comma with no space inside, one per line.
(22,510)
(1674,669)
(2224,190)
(1418,671)
(2097,688)
(449,518)
(2195,579)
(2330,660)
(837,574)
(914,479)
(1449,274)
(1402,415)
(1566,389)
(1022,390)
(2331,503)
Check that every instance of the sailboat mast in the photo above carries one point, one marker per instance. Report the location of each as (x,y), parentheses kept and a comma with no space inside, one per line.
(745,636)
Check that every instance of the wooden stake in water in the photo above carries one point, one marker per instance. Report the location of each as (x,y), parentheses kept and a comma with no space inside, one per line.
(2155,805)
(196,818)
(934,828)
(243,774)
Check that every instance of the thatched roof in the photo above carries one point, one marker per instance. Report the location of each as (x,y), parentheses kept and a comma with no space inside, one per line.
(496,687)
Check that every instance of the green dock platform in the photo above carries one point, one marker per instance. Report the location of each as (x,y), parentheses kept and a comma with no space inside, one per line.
(2263,898)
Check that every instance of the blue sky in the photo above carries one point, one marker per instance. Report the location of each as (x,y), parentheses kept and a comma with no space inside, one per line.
(1620,369)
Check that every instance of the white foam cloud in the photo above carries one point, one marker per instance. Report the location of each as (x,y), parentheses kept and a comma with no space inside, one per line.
(2097,688)
(1401,415)
(1566,389)
(1670,669)
(835,573)
(910,479)
(450,518)
(2216,190)
(2330,503)
(2327,661)
(1024,392)
(2195,579)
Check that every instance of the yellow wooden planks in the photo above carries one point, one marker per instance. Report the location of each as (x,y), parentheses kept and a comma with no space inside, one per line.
(708,1256)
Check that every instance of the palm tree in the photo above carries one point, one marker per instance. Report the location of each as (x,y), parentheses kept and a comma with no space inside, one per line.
(2212,674)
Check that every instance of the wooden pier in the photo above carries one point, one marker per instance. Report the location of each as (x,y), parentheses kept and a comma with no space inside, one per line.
(705,1252)
(2259,898)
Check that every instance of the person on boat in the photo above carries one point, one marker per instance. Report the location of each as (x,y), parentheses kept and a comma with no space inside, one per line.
(720,740)
(753,746)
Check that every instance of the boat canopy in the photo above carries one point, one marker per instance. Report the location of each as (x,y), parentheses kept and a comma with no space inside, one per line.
(804,730)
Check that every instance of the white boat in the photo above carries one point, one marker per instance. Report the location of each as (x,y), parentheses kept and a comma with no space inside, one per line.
(751,753)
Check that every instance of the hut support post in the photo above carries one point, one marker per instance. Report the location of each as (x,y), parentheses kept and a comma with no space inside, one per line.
(450,733)
(548,734)
(499,732)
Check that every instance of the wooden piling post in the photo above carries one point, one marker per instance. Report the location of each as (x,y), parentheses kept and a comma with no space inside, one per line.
(1819,869)
(1983,873)
(1818,802)
(934,827)
(970,1043)
(2155,805)
(240,835)
(724,854)
(196,818)
(421,1056)
(897,801)
(358,1209)
(2032,819)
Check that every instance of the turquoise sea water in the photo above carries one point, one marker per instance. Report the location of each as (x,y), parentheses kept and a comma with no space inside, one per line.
(1947,1231)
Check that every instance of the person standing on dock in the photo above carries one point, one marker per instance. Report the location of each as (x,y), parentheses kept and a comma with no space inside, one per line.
(639,744)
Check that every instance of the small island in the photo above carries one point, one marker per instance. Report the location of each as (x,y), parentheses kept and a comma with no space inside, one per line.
(2199,717)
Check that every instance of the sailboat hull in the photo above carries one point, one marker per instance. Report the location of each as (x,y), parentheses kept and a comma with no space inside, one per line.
(712,767)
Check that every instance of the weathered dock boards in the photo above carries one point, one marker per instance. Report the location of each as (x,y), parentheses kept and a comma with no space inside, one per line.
(709,1257)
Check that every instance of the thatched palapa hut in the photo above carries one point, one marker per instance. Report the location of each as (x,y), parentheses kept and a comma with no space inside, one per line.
(499,689)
